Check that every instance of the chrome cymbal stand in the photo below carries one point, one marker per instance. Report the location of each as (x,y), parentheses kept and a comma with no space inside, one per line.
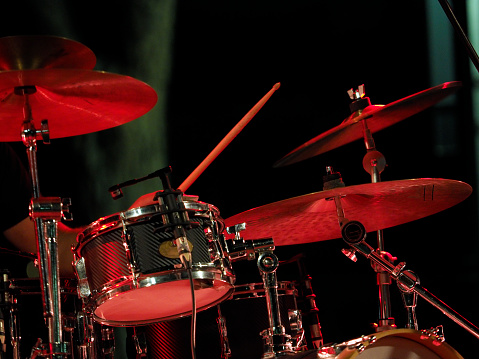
(374,163)
(354,233)
(46,212)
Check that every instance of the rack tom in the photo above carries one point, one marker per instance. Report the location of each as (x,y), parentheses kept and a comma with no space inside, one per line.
(129,272)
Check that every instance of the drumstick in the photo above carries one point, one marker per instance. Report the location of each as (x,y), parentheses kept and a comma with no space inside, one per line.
(226,141)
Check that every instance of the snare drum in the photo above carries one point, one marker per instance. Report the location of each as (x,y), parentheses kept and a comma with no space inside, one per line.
(398,343)
(127,278)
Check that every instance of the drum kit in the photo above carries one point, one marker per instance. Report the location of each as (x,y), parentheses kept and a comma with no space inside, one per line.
(168,261)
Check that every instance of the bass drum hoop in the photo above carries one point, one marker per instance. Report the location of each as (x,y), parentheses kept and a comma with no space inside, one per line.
(434,345)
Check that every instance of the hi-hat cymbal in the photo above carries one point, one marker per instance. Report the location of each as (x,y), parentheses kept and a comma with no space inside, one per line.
(313,217)
(74,101)
(43,52)
(378,117)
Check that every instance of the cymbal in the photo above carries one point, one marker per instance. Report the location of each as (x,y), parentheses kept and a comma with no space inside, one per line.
(42,52)
(74,101)
(313,217)
(378,117)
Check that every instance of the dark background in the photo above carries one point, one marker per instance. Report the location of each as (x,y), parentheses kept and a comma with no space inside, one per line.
(225,57)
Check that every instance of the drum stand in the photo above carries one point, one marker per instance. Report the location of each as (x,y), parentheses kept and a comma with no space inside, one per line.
(46,212)
(354,234)
(275,340)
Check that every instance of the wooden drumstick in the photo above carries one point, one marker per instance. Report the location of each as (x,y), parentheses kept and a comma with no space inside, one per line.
(226,141)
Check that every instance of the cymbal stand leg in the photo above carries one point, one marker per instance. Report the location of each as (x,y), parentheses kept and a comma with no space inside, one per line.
(276,342)
(45,212)
(407,279)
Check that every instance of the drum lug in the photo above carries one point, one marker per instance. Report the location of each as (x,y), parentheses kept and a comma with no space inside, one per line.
(126,240)
(358,344)
(83,287)
(372,339)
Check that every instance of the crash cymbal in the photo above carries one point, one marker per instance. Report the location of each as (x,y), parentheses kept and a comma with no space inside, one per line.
(378,117)
(43,52)
(313,217)
(74,101)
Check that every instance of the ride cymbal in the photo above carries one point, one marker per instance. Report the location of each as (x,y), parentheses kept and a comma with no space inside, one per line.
(74,101)
(43,52)
(313,217)
(377,118)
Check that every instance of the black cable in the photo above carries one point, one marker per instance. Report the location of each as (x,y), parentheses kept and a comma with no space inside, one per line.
(460,33)
(193,311)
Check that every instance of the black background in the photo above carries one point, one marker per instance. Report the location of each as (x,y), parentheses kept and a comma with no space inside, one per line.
(226,56)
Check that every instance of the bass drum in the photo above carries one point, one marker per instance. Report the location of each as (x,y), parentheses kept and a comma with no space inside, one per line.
(398,343)
(129,272)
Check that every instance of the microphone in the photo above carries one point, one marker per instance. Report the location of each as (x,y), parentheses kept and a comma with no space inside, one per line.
(175,216)
(115,192)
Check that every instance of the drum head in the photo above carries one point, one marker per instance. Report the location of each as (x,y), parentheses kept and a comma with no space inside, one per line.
(154,303)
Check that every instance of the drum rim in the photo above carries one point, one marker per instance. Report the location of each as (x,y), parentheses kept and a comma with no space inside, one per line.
(144,281)
(132,216)
(256,290)
(32,285)
(415,335)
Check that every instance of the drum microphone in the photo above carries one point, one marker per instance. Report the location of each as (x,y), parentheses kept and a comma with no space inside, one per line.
(175,217)
(117,193)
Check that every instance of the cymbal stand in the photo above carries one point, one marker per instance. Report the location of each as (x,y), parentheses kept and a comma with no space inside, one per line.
(374,163)
(46,212)
(354,233)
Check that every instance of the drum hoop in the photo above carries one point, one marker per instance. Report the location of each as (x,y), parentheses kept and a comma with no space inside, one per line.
(256,290)
(429,341)
(136,215)
(32,286)
(125,284)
